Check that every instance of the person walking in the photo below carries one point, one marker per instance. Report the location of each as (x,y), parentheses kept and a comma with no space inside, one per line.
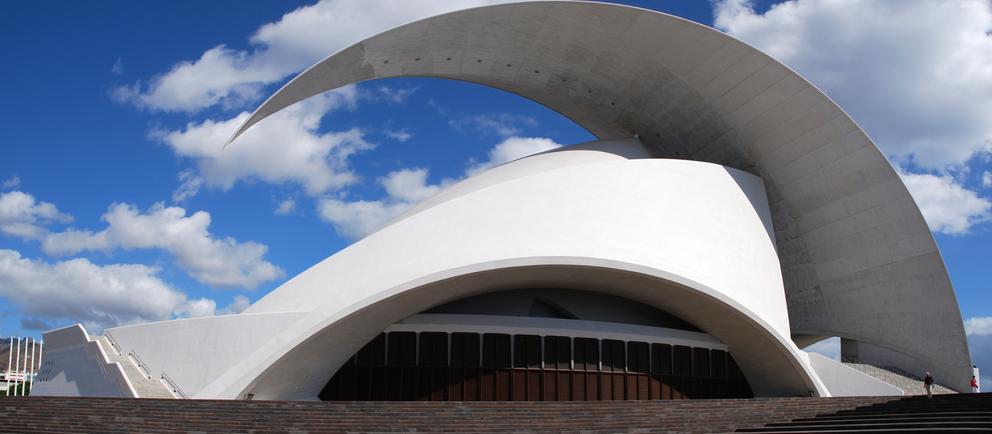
(974,384)
(928,384)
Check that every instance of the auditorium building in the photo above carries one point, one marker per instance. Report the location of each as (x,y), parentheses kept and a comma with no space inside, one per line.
(728,215)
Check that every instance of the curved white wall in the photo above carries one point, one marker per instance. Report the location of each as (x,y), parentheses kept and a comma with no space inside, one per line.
(691,238)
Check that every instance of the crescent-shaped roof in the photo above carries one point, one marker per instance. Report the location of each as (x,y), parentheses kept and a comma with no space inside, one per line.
(857,258)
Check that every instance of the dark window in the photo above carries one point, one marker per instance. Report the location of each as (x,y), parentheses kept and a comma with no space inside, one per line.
(465,350)
(718,363)
(700,362)
(614,357)
(733,371)
(433,349)
(402,349)
(373,353)
(495,350)
(557,352)
(637,357)
(661,359)
(683,360)
(527,351)
(586,354)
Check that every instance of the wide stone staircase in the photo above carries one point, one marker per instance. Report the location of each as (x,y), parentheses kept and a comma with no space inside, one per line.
(855,414)
(942,413)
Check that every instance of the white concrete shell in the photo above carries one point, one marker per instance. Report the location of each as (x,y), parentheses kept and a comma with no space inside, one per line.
(581,218)
(857,258)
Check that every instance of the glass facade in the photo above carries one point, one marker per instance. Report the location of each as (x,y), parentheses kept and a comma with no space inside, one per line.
(435,366)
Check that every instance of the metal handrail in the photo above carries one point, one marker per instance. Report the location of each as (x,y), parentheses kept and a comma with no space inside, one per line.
(141,364)
(176,390)
(113,343)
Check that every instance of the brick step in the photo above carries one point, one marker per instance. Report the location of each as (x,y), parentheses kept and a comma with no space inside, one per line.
(945,413)
(160,415)
(870,426)
(974,415)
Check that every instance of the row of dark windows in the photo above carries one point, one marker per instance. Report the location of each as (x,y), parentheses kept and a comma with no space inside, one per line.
(470,366)
(558,352)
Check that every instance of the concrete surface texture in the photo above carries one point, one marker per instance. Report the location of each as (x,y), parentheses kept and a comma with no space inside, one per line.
(857,258)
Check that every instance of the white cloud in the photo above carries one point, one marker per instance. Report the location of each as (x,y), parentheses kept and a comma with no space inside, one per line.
(206,307)
(285,148)
(359,218)
(987,179)
(78,290)
(286,207)
(916,74)
(208,259)
(513,148)
(500,124)
(947,206)
(23,217)
(231,78)
(396,95)
(829,348)
(405,188)
(978,326)
(189,186)
(238,304)
(118,67)
(399,135)
(12,182)
(409,185)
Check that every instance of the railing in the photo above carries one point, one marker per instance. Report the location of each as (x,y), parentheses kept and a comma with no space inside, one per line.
(140,364)
(171,385)
(113,343)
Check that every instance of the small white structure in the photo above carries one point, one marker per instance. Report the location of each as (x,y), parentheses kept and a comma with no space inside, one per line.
(730,214)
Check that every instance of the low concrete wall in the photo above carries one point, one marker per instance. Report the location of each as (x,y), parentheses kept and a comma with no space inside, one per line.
(846,381)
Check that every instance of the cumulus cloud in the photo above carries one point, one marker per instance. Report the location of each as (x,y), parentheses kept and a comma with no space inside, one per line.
(511,149)
(230,78)
(916,74)
(947,206)
(79,290)
(987,179)
(499,124)
(23,217)
(286,207)
(206,307)
(978,326)
(404,189)
(408,187)
(223,262)
(287,147)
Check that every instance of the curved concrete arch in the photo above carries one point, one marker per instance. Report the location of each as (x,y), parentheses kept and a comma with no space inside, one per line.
(856,255)
(710,260)
(298,368)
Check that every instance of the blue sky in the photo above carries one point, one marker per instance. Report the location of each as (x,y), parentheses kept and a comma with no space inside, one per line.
(117,206)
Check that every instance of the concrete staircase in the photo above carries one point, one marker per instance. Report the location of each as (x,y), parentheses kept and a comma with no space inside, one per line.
(147,386)
(942,413)
(909,384)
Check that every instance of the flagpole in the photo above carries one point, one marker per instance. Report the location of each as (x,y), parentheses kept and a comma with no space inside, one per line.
(30,381)
(10,360)
(17,364)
